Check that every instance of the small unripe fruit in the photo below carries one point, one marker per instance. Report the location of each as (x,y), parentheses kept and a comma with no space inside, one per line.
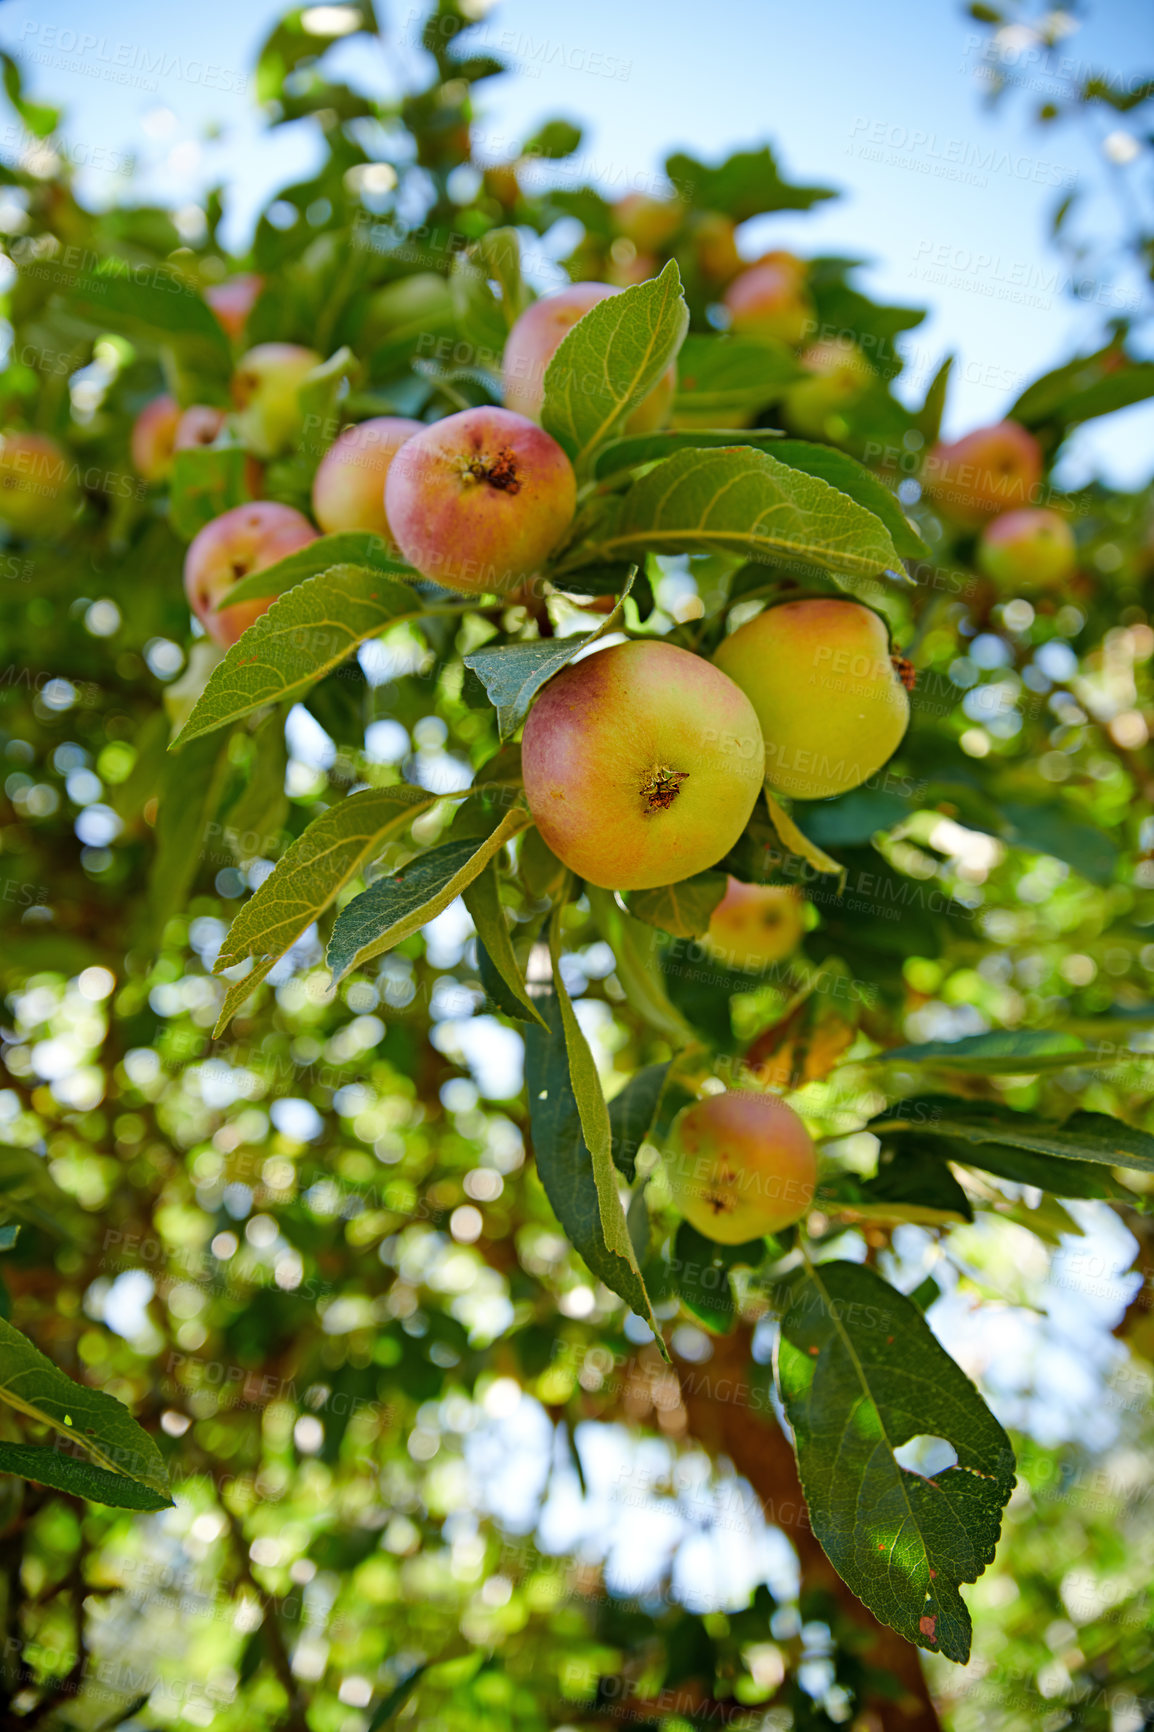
(642,765)
(266,390)
(1032,549)
(715,247)
(740,1165)
(535,339)
(37,490)
(154,437)
(247,538)
(756,924)
(830,701)
(349,485)
(233,300)
(479,500)
(769,300)
(992,470)
(647,222)
(839,374)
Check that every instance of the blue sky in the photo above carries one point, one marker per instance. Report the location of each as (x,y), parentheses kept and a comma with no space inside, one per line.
(948,199)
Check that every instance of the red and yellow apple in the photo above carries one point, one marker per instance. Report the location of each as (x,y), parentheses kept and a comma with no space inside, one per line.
(233,300)
(990,471)
(769,299)
(1030,549)
(349,485)
(740,1165)
(37,484)
(642,765)
(831,703)
(247,538)
(479,500)
(535,339)
(647,222)
(756,924)
(153,438)
(715,247)
(266,391)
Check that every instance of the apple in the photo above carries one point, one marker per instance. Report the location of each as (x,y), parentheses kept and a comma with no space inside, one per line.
(642,764)
(233,300)
(266,391)
(153,438)
(830,701)
(247,538)
(715,247)
(647,222)
(740,1165)
(839,374)
(201,426)
(535,339)
(479,500)
(756,924)
(1030,549)
(37,483)
(349,485)
(989,471)
(769,299)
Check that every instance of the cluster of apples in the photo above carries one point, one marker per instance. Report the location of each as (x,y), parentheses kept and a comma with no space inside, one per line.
(982,483)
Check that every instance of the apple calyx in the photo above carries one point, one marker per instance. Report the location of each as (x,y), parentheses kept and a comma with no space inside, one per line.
(500,473)
(660,787)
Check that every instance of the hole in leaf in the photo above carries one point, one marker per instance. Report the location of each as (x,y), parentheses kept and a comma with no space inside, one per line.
(926,1455)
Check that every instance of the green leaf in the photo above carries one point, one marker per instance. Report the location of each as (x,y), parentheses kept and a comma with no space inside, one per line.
(861,1374)
(513,674)
(1093,1137)
(1085,388)
(911,1184)
(610,360)
(28,1190)
(631,1115)
(859,483)
(929,417)
(636,951)
(154,305)
(1049,829)
(488,314)
(747,184)
(191,789)
(851,818)
(745,502)
(494,942)
(93,1421)
(796,842)
(1004,1052)
(639,448)
(390,1706)
(309,878)
(701,1270)
(683,909)
(205,482)
(720,378)
(306,633)
(400,903)
(347,547)
(48,1466)
(567,1169)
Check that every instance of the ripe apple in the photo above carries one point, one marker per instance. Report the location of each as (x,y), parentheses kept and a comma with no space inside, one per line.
(200,426)
(989,471)
(839,374)
(642,764)
(647,222)
(153,438)
(755,924)
(37,485)
(266,390)
(770,300)
(247,538)
(535,339)
(233,300)
(830,701)
(349,485)
(479,500)
(1031,549)
(740,1165)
